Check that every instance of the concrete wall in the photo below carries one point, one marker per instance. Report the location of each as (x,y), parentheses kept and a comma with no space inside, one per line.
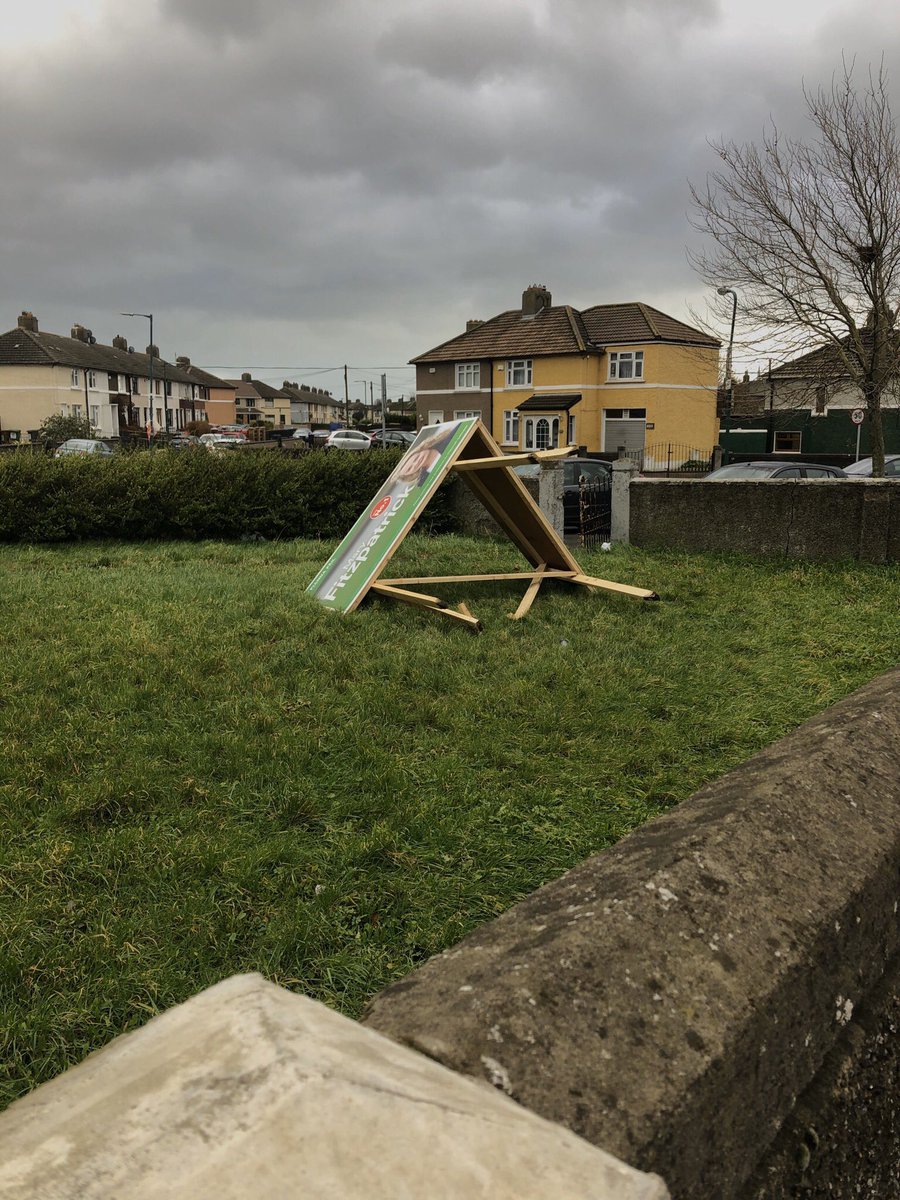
(817,520)
(715,998)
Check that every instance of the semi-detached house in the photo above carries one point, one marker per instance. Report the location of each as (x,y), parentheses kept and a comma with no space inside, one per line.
(42,374)
(604,377)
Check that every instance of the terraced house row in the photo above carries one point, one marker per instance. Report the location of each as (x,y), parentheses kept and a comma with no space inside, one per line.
(119,389)
(604,377)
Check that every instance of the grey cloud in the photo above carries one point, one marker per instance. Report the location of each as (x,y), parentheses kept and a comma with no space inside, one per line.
(375,170)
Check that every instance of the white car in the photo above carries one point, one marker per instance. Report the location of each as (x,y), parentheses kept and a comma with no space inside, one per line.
(82,446)
(348,439)
(864,467)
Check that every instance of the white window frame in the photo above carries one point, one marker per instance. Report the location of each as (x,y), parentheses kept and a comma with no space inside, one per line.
(511,427)
(633,360)
(787,433)
(435,417)
(570,430)
(522,366)
(95,416)
(461,413)
(75,377)
(468,376)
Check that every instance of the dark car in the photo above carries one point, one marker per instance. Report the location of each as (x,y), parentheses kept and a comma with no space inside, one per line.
(776,470)
(392,438)
(863,468)
(575,472)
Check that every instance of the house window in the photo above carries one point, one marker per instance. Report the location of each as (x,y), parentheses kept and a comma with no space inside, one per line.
(95,415)
(435,416)
(64,410)
(133,384)
(626,364)
(91,379)
(468,375)
(461,413)
(113,380)
(518,372)
(570,432)
(168,387)
(76,377)
(511,427)
(787,441)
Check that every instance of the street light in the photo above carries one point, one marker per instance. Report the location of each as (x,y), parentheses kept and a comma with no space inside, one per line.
(729,381)
(149,317)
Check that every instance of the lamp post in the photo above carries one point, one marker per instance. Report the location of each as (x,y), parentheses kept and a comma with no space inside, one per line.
(149,317)
(729,380)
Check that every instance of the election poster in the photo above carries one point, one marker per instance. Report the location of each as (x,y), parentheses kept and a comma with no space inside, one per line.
(356,563)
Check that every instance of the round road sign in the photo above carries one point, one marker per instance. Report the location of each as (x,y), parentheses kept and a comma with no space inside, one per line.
(858,416)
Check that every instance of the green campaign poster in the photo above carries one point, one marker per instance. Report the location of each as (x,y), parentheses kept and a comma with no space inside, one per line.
(357,561)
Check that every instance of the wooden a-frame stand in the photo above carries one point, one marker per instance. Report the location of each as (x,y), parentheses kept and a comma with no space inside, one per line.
(488,472)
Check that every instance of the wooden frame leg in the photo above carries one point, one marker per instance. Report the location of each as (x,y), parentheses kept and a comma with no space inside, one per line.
(531,592)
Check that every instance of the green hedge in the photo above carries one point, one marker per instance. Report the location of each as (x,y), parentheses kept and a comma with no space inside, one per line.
(193,494)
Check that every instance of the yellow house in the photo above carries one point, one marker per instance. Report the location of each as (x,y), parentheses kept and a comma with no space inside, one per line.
(602,378)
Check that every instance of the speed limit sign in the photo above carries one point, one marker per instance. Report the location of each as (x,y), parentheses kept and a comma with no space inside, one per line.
(858,416)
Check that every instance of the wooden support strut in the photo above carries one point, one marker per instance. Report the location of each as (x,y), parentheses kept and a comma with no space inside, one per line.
(431,603)
(513,460)
(532,591)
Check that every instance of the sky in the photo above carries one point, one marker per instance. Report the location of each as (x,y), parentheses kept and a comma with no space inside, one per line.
(292,185)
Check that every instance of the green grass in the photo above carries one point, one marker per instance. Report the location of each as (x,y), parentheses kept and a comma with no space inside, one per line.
(204,772)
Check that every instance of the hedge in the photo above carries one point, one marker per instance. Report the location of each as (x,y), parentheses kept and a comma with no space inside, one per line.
(193,494)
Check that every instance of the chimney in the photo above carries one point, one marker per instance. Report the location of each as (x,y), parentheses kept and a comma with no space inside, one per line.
(286,383)
(28,321)
(473,324)
(246,377)
(535,299)
(153,351)
(81,334)
(183,361)
(119,342)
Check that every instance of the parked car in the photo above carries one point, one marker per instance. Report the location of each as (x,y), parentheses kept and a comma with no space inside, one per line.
(183,441)
(575,472)
(864,467)
(302,434)
(82,446)
(219,441)
(775,470)
(392,438)
(348,439)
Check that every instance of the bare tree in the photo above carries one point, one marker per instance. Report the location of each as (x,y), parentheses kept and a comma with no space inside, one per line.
(808,234)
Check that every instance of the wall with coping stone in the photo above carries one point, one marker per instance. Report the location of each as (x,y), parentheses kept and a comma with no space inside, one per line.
(816,520)
(714,998)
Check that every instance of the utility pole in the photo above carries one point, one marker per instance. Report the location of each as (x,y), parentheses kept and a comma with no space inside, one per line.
(346,399)
(383,405)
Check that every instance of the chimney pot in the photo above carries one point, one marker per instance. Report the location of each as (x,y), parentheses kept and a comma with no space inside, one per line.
(473,323)
(119,342)
(183,361)
(153,351)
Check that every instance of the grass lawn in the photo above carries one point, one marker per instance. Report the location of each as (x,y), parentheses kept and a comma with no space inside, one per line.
(204,772)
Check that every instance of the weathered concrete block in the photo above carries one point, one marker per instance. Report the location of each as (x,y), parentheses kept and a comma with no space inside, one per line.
(671,997)
(248,1090)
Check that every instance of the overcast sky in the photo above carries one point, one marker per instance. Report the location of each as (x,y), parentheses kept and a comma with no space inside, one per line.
(289,185)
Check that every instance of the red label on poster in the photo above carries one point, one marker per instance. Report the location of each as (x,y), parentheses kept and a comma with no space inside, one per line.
(381,507)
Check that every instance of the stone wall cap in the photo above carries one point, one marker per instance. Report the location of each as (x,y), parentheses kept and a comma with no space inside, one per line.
(250,1090)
